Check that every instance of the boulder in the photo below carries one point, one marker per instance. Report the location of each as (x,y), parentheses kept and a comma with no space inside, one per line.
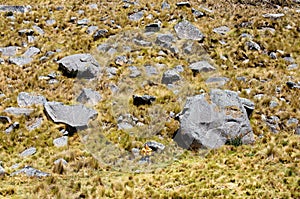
(186,30)
(28,99)
(79,65)
(210,121)
(75,116)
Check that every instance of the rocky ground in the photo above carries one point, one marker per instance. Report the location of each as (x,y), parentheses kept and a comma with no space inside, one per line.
(137,99)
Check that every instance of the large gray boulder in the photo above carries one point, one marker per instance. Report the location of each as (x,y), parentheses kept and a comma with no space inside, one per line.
(210,121)
(186,30)
(76,116)
(79,65)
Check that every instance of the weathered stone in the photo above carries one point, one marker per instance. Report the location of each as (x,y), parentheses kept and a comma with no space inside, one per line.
(219,81)
(201,66)
(292,67)
(136,16)
(37,122)
(61,141)
(100,34)
(28,152)
(89,96)
(2,171)
(155,146)
(91,29)
(9,51)
(273,123)
(30,172)
(11,127)
(134,72)
(18,111)
(197,13)
(126,121)
(121,60)
(165,40)
(143,43)
(165,6)
(28,99)
(26,32)
(222,30)
(38,29)
(61,161)
(20,61)
(170,76)
(273,16)
(186,30)
(50,22)
(150,70)
(79,65)
(253,45)
(76,116)
(18,9)
(31,52)
(154,27)
(143,100)
(211,121)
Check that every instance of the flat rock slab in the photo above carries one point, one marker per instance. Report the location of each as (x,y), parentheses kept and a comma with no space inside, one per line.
(28,99)
(61,141)
(20,61)
(28,152)
(79,65)
(210,121)
(19,9)
(30,172)
(9,51)
(186,30)
(18,111)
(76,116)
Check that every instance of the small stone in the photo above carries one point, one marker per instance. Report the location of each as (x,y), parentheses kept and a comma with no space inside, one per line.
(165,6)
(2,171)
(273,55)
(83,22)
(201,66)
(222,30)
(20,61)
(11,127)
(253,45)
(91,29)
(60,142)
(142,43)
(89,96)
(170,76)
(18,111)
(36,124)
(292,121)
(220,81)
(292,67)
(197,13)
(50,22)
(155,146)
(136,16)
(143,100)
(30,172)
(186,30)
(273,16)
(121,60)
(28,152)
(150,70)
(38,29)
(273,104)
(28,99)
(134,72)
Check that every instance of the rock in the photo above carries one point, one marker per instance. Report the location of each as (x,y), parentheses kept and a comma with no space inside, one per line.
(11,127)
(61,161)
(273,16)
(253,45)
(91,29)
(50,22)
(273,104)
(28,99)
(222,30)
(38,29)
(292,85)
(289,59)
(28,152)
(79,65)
(18,111)
(121,60)
(32,51)
(197,13)
(211,121)
(126,121)
(183,4)
(9,51)
(20,61)
(61,141)
(150,70)
(248,105)
(100,34)
(18,9)
(89,96)
(186,30)
(165,6)
(292,121)
(201,66)
(136,16)
(272,123)
(2,171)
(37,122)
(292,67)
(30,172)
(5,119)
(143,43)
(154,27)
(134,72)
(93,6)
(75,116)
(143,100)
(27,32)
(165,40)
(219,81)
(170,76)
(155,146)
(297,131)
(273,55)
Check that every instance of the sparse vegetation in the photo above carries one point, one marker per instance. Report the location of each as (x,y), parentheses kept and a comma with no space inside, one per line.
(267,169)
